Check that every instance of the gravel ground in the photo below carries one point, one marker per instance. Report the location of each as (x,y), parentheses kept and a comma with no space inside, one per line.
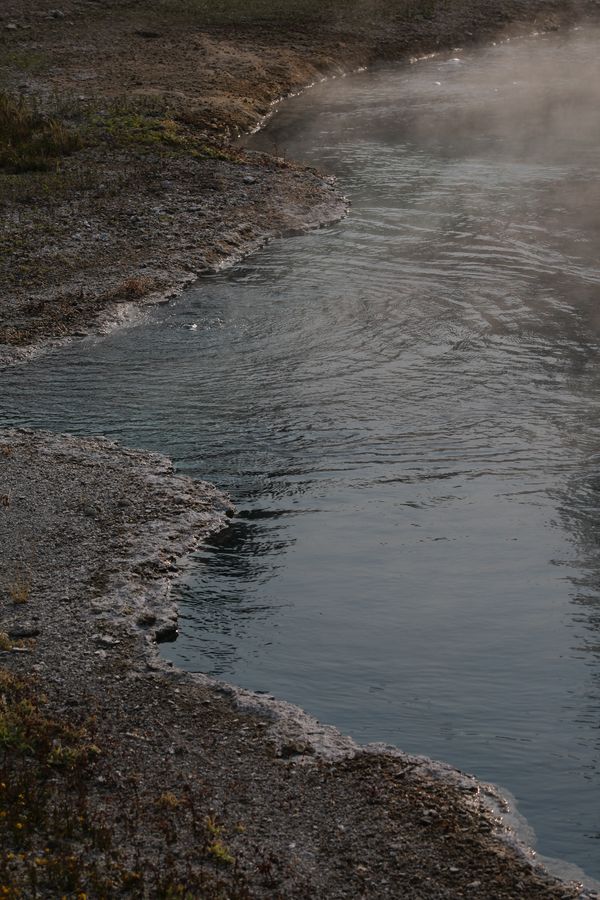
(203,790)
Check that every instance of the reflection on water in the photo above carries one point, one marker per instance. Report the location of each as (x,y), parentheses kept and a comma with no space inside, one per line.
(405,409)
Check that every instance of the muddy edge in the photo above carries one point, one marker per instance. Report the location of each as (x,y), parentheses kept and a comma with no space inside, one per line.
(261,800)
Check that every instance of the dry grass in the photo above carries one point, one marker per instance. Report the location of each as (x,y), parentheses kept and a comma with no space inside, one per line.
(30,141)
(19,591)
(133,288)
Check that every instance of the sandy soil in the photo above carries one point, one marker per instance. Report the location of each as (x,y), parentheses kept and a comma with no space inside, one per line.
(189,788)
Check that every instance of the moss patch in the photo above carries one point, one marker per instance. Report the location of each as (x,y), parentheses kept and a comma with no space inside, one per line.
(166,132)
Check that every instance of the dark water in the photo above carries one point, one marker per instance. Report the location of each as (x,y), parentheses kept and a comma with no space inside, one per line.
(405,409)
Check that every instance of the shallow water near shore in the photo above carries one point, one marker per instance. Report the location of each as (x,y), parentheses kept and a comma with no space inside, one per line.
(405,410)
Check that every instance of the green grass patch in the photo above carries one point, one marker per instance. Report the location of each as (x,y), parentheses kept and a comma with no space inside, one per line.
(163,131)
(126,128)
(31,61)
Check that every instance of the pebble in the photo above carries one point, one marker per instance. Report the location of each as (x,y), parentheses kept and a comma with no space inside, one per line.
(249,179)
(106,640)
(26,630)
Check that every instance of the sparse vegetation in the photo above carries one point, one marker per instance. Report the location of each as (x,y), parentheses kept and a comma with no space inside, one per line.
(169,800)
(55,839)
(220,853)
(19,591)
(132,288)
(156,127)
(8,645)
(30,61)
(30,141)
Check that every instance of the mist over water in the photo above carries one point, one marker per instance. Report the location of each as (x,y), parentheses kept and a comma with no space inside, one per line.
(405,410)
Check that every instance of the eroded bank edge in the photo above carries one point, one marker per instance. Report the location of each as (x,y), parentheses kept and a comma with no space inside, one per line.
(333,207)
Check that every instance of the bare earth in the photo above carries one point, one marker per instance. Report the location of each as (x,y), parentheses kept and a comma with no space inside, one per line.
(120,776)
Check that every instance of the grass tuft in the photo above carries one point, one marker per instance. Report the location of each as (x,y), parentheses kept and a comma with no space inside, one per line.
(30,141)
(132,288)
(19,591)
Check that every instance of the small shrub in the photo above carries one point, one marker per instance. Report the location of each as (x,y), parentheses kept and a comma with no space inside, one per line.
(220,853)
(212,826)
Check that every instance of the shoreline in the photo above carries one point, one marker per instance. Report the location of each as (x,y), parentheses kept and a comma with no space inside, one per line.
(160,191)
(261,799)
(96,564)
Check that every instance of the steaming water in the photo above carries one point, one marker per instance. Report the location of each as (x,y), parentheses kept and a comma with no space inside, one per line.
(405,409)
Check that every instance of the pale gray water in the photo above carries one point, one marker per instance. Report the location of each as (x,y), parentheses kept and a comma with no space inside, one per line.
(405,409)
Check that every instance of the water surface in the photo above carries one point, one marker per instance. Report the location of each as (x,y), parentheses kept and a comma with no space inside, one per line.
(405,410)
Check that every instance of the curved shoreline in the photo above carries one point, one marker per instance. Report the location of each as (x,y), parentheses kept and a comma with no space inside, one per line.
(97,563)
(141,211)
(107,602)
